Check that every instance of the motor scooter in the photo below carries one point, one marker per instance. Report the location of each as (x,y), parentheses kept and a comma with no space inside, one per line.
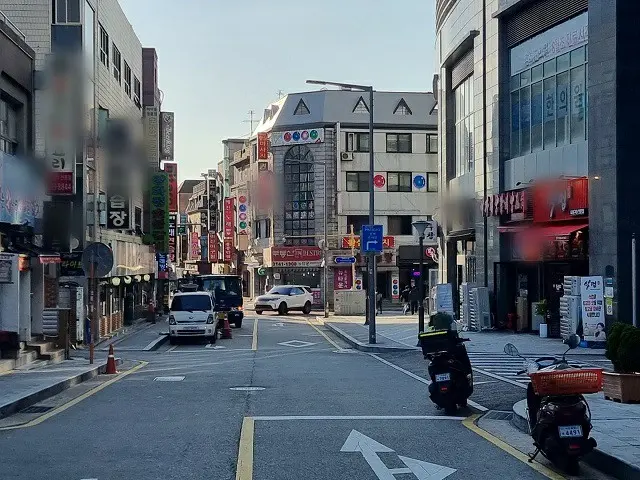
(558,415)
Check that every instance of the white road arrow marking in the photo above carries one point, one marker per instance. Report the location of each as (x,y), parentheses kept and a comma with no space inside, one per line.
(369,448)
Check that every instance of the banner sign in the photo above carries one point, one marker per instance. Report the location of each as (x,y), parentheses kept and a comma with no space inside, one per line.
(505,203)
(297,137)
(204,247)
(213,247)
(263,146)
(172,172)
(387,242)
(229,216)
(228,250)
(173,220)
(118,212)
(194,250)
(160,210)
(560,200)
(163,265)
(342,278)
(592,303)
(151,135)
(296,256)
(213,205)
(71,264)
(166,135)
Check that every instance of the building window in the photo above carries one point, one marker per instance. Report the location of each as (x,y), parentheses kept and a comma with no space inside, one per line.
(432,181)
(138,219)
(66,11)
(399,182)
(361,107)
(398,142)
(136,91)
(358,181)
(301,108)
(357,221)
(299,207)
(549,104)
(399,225)
(8,128)
(357,142)
(117,64)
(432,143)
(104,47)
(464,125)
(127,79)
(402,108)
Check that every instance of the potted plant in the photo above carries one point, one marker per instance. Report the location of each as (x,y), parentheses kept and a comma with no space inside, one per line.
(542,310)
(623,349)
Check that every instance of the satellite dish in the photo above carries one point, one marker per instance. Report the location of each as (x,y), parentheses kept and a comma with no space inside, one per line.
(97,260)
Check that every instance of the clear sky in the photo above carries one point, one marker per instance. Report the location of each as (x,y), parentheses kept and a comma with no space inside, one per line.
(218,59)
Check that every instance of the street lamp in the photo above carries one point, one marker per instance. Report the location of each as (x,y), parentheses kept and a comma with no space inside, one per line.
(371,291)
(421,226)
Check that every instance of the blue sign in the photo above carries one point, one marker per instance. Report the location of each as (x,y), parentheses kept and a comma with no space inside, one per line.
(419,181)
(371,241)
(347,260)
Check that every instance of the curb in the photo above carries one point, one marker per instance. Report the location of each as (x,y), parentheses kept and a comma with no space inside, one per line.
(604,462)
(124,332)
(24,402)
(153,346)
(364,347)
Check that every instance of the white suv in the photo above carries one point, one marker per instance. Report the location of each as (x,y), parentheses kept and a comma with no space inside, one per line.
(284,298)
(191,315)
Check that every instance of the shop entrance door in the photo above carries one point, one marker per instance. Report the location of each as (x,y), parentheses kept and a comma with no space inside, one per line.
(383,283)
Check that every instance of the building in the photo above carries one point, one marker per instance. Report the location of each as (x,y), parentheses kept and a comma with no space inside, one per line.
(301,182)
(107,95)
(535,98)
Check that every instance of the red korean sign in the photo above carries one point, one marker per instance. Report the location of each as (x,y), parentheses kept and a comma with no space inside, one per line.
(228,250)
(195,246)
(505,203)
(342,279)
(387,242)
(213,247)
(229,217)
(172,172)
(263,146)
(60,183)
(296,256)
(560,200)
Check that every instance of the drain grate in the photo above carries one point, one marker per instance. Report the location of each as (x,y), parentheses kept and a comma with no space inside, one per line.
(37,409)
(497,415)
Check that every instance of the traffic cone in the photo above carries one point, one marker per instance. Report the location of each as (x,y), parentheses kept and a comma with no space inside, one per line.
(226,328)
(111,362)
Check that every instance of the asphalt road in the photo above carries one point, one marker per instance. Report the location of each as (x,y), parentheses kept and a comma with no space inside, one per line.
(313,410)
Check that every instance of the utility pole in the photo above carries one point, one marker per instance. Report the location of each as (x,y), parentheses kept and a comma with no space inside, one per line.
(251,121)
(280,94)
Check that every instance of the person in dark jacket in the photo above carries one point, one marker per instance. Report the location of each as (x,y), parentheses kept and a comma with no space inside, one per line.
(404,296)
(414,294)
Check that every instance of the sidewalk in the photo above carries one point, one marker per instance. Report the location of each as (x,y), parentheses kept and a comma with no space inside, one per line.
(615,428)
(22,388)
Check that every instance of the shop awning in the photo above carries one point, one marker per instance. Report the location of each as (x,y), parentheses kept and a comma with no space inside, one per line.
(560,230)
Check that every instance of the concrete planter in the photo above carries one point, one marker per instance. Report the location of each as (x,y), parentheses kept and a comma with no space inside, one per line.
(621,387)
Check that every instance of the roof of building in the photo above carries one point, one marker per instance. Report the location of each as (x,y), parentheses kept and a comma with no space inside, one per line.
(186,186)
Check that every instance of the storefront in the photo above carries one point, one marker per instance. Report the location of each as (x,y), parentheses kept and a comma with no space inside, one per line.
(409,273)
(295,266)
(544,238)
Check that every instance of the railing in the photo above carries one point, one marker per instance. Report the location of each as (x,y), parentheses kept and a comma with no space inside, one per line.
(12,25)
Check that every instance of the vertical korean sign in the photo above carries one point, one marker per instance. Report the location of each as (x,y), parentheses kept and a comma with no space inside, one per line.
(592,303)
(213,205)
(118,212)
(172,172)
(166,135)
(263,146)
(213,247)
(229,218)
(228,250)
(194,246)
(160,210)
(173,220)
(204,247)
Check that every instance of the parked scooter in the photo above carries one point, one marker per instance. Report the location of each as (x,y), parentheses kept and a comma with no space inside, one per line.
(449,369)
(559,415)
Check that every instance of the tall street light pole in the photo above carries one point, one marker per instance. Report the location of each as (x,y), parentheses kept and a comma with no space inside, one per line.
(371,290)
(421,226)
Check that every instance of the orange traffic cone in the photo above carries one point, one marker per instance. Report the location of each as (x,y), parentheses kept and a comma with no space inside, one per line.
(111,363)
(226,328)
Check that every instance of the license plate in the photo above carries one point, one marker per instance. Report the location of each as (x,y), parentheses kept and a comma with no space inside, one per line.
(570,431)
(193,327)
(443,377)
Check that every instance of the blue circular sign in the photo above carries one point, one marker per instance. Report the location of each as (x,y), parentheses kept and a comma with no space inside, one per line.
(419,181)
(242,208)
(296,136)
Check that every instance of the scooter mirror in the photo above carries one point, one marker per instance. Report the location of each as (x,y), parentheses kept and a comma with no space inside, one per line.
(572,341)
(511,350)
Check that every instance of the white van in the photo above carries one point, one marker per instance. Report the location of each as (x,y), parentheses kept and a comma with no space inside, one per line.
(191,315)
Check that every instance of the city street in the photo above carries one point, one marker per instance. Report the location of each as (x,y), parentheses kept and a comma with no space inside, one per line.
(282,401)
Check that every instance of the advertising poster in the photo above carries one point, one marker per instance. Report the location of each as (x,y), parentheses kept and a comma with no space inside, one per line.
(160,210)
(172,172)
(342,278)
(317,296)
(592,305)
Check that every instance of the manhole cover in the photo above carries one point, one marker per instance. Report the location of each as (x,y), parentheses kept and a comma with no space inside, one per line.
(37,409)
(169,379)
(247,389)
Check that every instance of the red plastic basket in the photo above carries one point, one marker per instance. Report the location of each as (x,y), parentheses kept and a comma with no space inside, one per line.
(567,382)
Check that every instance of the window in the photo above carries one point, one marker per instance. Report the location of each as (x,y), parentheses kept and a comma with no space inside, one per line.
(127,79)
(399,225)
(398,142)
(358,181)
(549,104)
(402,108)
(357,221)
(399,182)
(136,91)
(301,108)
(66,11)
(357,142)
(432,143)
(361,107)
(432,181)
(138,218)
(464,125)
(8,128)
(104,47)
(200,302)
(299,206)
(281,291)
(117,64)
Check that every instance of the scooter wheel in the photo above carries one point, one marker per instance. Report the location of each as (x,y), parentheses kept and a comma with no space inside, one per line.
(450,410)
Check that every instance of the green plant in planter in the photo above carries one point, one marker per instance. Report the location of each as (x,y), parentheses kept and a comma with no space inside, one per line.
(629,351)
(617,332)
(542,308)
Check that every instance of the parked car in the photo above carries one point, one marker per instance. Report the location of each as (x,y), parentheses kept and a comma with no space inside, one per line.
(192,315)
(283,298)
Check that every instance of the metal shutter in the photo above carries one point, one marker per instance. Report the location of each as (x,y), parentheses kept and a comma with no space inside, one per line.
(462,69)
(540,16)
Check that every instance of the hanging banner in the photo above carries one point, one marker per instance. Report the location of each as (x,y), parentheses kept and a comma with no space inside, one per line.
(228,250)
(592,303)
(213,205)
(194,246)
(229,218)
(172,172)
(173,220)
(213,247)
(160,210)
(263,146)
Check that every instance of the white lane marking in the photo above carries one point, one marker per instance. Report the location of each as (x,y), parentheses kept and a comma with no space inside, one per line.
(169,379)
(172,348)
(160,339)
(247,389)
(358,443)
(214,347)
(296,344)
(498,377)
(475,405)
(277,418)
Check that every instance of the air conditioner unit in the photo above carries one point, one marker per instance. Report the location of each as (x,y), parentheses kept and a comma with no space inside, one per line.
(346,156)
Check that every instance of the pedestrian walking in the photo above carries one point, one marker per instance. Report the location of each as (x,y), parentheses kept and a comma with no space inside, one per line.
(404,295)
(379,301)
(151,311)
(413,297)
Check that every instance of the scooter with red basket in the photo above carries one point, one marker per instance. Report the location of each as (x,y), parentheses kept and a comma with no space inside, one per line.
(559,415)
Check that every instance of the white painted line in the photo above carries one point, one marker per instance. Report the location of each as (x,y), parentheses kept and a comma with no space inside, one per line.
(279,418)
(158,340)
(172,348)
(169,379)
(296,344)
(498,377)
(471,403)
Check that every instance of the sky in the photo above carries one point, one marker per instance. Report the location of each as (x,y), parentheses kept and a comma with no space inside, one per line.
(219,59)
